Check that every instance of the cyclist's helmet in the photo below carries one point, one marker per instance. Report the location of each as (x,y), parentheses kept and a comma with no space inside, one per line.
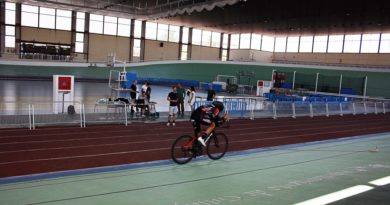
(218,105)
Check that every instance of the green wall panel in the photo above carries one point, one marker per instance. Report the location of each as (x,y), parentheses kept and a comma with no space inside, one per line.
(378,82)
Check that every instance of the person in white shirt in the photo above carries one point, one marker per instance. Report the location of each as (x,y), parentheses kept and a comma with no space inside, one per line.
(191,98)
(144,87)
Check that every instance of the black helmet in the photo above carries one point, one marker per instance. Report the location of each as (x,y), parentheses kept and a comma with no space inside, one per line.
(218,105)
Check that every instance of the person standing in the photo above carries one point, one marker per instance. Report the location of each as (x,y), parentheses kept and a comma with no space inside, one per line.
(148,91)
(172,98)
(210,93)
(180,99)
(133,94)
(191,97)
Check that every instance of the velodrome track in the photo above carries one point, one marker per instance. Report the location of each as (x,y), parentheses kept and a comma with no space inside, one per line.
(24,152)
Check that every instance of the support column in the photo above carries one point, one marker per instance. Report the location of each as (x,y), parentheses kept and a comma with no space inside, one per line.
(2,28)
(189,47)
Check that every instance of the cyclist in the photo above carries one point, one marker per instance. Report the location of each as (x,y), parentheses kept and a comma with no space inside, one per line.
(207,115)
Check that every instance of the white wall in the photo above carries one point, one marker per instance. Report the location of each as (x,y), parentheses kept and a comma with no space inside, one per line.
(153,50)
(100,46)
(250,55)
(204,53)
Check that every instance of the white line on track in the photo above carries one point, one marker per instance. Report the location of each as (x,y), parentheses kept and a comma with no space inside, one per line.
(295,122)
(85,156)
(336,196)
(381,182)
(344,124)
(159,149)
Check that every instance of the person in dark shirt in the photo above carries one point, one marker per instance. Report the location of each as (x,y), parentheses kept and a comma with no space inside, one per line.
(210,93)
(133,94)
(148,91)
(172,98)
(180,101)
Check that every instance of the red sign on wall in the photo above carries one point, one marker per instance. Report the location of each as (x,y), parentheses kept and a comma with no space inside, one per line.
(65,83)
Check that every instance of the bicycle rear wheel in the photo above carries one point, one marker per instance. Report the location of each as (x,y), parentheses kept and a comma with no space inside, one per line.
(181,151)
(217,146)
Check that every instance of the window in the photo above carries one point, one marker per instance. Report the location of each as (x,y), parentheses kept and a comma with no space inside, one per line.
(306,44)
(64,20)
(370,43)
(292,44)
(335,44)
(184,52)
(385,43)
(162,32)
(256,41)
(10,13)
(110,25)
(268,43)
(225,40)
(352,43)
(174,33)
(216,40)
(29,15)
(137,48)
(137,28)
(280,44)
(224,55)
(124,27)
(245,41)
(196,36)
(96,24)
(10,36)
(320,44)
(206,38)
(47,18)
(80,22)
(185,35)
(151,31)
(10,22)
(79,46)
(234,41)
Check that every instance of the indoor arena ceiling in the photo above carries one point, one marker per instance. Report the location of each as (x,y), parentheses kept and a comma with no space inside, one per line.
(240,16)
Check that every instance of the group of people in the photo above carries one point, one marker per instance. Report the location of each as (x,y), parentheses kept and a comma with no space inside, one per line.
(176,100)
(146,90)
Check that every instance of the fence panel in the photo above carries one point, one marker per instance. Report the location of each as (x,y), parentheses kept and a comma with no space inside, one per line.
(45,113)
(284,109)
(117,112)
(15,114)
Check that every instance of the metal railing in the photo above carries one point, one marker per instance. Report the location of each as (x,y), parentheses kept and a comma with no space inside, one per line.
(257,107)
(33,114)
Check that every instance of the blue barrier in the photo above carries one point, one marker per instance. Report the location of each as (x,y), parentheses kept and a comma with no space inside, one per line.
(130,77)
(310,98)
(231,107)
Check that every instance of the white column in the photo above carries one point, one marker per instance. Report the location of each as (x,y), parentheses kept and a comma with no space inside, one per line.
(341,82)
(316,83)
(293,110)
(365,86)
(293,85)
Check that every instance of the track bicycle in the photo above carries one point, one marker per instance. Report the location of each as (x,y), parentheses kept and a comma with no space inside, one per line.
(187,147)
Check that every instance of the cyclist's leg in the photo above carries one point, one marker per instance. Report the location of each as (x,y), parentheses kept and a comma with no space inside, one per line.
(196,125)
(210,128)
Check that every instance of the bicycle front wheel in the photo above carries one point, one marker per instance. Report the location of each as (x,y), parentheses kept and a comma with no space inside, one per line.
(217,146)
(181,150)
